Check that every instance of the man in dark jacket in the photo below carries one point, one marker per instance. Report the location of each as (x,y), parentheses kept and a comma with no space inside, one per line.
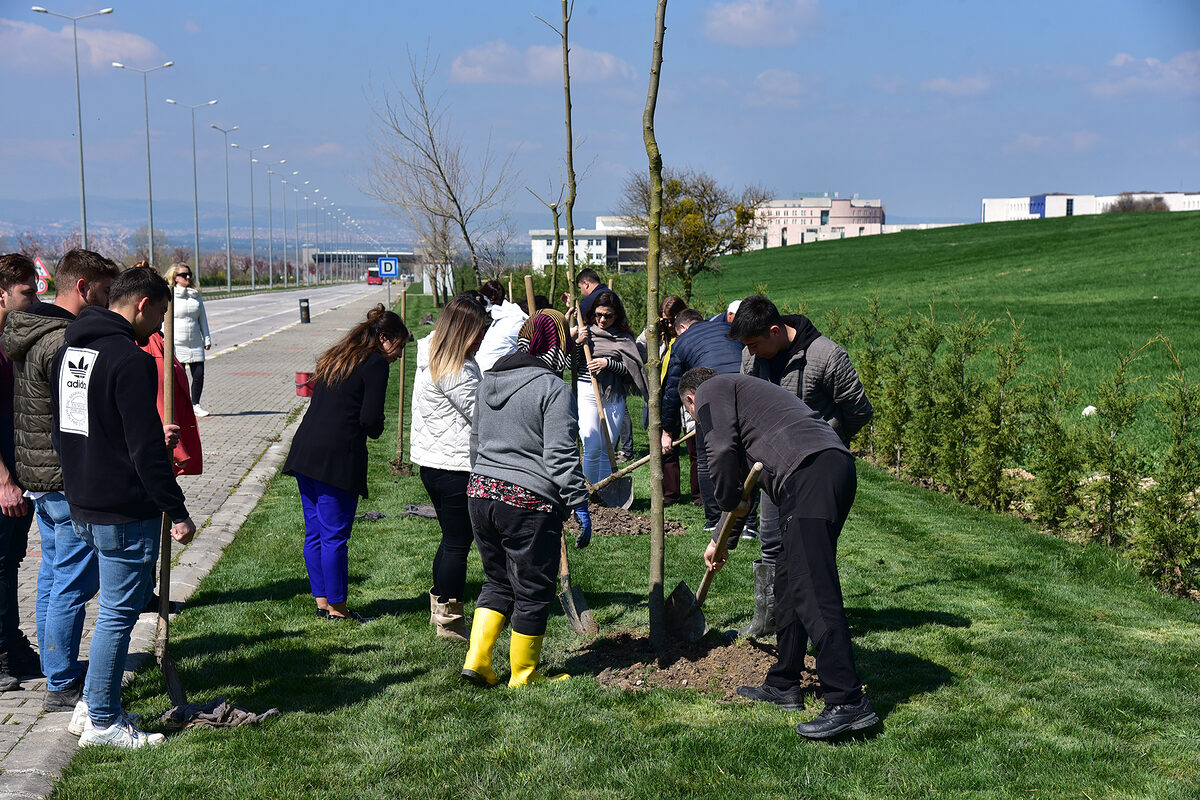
(698,343)
(791,352)
(809,474)
(68,576)
(117,478)
(17,291)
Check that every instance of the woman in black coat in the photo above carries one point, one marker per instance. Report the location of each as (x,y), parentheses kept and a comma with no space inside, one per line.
(329,452)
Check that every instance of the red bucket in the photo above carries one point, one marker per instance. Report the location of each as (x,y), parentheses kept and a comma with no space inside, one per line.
(304,384)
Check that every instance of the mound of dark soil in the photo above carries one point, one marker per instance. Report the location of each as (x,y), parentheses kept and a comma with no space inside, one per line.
(619,522)
(715,666)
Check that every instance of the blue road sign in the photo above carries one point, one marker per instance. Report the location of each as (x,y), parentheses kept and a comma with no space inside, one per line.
(389,267)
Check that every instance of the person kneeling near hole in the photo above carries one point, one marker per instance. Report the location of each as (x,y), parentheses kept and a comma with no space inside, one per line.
(809,474)
(525,479)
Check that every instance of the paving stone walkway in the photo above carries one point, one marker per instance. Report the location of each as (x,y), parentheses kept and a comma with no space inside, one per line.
(250,394)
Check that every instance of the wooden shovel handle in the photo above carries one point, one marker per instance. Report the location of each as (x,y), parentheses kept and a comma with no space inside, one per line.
(587,352)
(641,462)
(726,526)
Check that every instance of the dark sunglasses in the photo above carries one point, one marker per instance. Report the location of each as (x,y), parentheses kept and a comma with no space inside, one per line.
(187,275)
(601,315)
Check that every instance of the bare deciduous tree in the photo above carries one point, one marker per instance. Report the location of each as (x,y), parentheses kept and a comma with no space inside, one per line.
(419,165)
(494,256)
(554,206)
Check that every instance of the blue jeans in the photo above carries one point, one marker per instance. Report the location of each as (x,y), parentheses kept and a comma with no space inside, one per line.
(126,555)
(328,518)
(67,579)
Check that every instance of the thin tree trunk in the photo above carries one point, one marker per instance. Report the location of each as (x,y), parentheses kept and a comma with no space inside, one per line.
(657,601)
(567,7)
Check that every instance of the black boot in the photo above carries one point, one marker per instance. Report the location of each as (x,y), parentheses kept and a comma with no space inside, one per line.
(8,680)
(22,658)
(763,621)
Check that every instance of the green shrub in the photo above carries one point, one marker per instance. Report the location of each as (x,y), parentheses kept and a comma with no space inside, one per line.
(1055,456)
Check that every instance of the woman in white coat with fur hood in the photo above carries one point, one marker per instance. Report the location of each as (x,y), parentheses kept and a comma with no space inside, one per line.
(443,403)
(191,328)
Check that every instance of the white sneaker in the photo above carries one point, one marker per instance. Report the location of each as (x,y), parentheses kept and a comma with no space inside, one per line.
(198,411)
(121,733)
(81,721)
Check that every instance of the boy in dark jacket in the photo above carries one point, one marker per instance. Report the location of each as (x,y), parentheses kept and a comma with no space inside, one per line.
(809,474)
(117,478)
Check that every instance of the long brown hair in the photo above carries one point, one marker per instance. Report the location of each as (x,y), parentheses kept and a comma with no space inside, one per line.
(363,339)
(457,329)
(610,300)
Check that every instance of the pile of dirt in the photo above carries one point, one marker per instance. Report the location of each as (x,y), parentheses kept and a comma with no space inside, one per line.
(715,666)
(619,522)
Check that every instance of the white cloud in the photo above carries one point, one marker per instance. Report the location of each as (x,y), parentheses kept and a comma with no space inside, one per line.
(760,23)
(1076,142)
(28,47)
(500,62)
(326,149)
(1180,75)
(776,88)
(889,84)
(193,26)
(965,86)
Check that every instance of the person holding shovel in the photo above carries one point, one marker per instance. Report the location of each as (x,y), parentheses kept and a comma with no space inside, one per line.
(443,405)
(525,479)
(809,474)
(329,452)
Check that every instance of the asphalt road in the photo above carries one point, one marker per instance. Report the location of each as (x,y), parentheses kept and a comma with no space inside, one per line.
(234,321)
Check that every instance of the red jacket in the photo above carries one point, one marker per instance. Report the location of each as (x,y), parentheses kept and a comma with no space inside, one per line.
(187,458)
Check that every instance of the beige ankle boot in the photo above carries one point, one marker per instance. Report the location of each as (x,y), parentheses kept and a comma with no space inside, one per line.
(448,618)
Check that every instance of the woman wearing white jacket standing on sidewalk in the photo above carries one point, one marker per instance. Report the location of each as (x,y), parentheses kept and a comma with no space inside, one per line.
(191,329)
(443,402)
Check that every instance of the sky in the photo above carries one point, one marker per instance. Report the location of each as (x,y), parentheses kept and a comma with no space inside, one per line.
(928,106)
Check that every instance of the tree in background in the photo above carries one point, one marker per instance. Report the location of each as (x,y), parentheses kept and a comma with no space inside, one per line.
(419,166)
(140,245)
(701,220)
(1126,203)
(494,256)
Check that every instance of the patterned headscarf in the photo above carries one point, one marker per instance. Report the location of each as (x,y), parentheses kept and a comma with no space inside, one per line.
(544,335)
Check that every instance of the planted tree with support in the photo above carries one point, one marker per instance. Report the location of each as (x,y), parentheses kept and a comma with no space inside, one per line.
(555,211)
(399,465)
(657,600)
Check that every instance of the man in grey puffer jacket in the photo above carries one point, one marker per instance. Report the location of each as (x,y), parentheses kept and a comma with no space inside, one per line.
(791,352)
(68,576)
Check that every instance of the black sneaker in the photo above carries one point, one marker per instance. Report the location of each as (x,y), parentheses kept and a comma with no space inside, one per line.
(63,699)
(835,720)
(790,699)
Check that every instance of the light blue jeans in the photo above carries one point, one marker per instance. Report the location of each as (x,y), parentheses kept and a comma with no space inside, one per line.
(67,579)
(127,553)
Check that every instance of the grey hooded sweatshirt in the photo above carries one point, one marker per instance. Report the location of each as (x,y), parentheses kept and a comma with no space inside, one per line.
(524,432)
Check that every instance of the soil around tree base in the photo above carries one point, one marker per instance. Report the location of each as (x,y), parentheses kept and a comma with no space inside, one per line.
(619,522)
(715,666)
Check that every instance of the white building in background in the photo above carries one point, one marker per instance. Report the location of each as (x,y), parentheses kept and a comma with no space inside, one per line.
(1057,204)
(614,243)
(816,218)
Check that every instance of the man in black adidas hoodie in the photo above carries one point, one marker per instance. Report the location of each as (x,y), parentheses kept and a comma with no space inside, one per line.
(117,477)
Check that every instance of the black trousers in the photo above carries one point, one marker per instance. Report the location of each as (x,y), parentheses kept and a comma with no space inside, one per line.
(197,370)
(813,505)
(448,494)
(520,551)
(14,542)
(670,467)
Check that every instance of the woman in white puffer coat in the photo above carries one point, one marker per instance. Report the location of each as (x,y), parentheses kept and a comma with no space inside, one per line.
(443,402)
(191,329)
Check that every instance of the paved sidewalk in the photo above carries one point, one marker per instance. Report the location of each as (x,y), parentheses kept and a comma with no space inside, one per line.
(250,393)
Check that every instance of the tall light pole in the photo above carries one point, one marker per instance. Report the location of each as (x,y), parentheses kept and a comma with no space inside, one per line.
(252,151)
(146,101)
(271,230)
(78,112)
(195,194)
(283,194)
(228,247)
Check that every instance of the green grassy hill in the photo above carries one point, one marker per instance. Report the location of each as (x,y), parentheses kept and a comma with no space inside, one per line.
(1090,285)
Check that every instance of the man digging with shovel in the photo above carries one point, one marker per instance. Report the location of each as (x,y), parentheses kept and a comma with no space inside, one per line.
(809,474)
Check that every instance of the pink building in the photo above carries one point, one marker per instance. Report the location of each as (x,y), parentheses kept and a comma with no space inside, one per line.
(815,219)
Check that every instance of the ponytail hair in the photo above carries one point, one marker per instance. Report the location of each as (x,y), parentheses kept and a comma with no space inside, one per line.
(363,339)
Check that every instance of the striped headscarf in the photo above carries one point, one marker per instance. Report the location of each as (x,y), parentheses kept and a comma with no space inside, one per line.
(544,335)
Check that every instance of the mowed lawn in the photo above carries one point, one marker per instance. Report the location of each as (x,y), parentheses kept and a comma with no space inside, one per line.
(1092,286)
(1003,662)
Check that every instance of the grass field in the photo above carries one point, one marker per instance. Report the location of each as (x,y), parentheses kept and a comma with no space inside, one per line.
(1004,663)
(1091,285)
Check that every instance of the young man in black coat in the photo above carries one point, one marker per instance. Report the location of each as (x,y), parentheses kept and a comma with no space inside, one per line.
(809,474)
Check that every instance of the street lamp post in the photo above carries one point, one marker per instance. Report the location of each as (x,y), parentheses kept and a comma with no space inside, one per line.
(78,112)
(283,194)
(252,151)
(271,230)
(149,188)
(195,194)
(228,247)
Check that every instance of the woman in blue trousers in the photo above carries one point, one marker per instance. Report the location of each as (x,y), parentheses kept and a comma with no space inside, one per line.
(329,452)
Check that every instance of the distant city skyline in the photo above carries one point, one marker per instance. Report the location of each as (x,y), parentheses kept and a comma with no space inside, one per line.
(929,107)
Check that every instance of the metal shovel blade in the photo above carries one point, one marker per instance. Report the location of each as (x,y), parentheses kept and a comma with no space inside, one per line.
(685,619)
(618,494)
(575,606)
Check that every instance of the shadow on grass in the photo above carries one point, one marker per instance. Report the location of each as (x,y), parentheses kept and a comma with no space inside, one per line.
(867,620)
(893,677)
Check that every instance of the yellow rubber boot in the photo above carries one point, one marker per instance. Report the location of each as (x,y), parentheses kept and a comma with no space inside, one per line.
(523,655)
(485,630)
